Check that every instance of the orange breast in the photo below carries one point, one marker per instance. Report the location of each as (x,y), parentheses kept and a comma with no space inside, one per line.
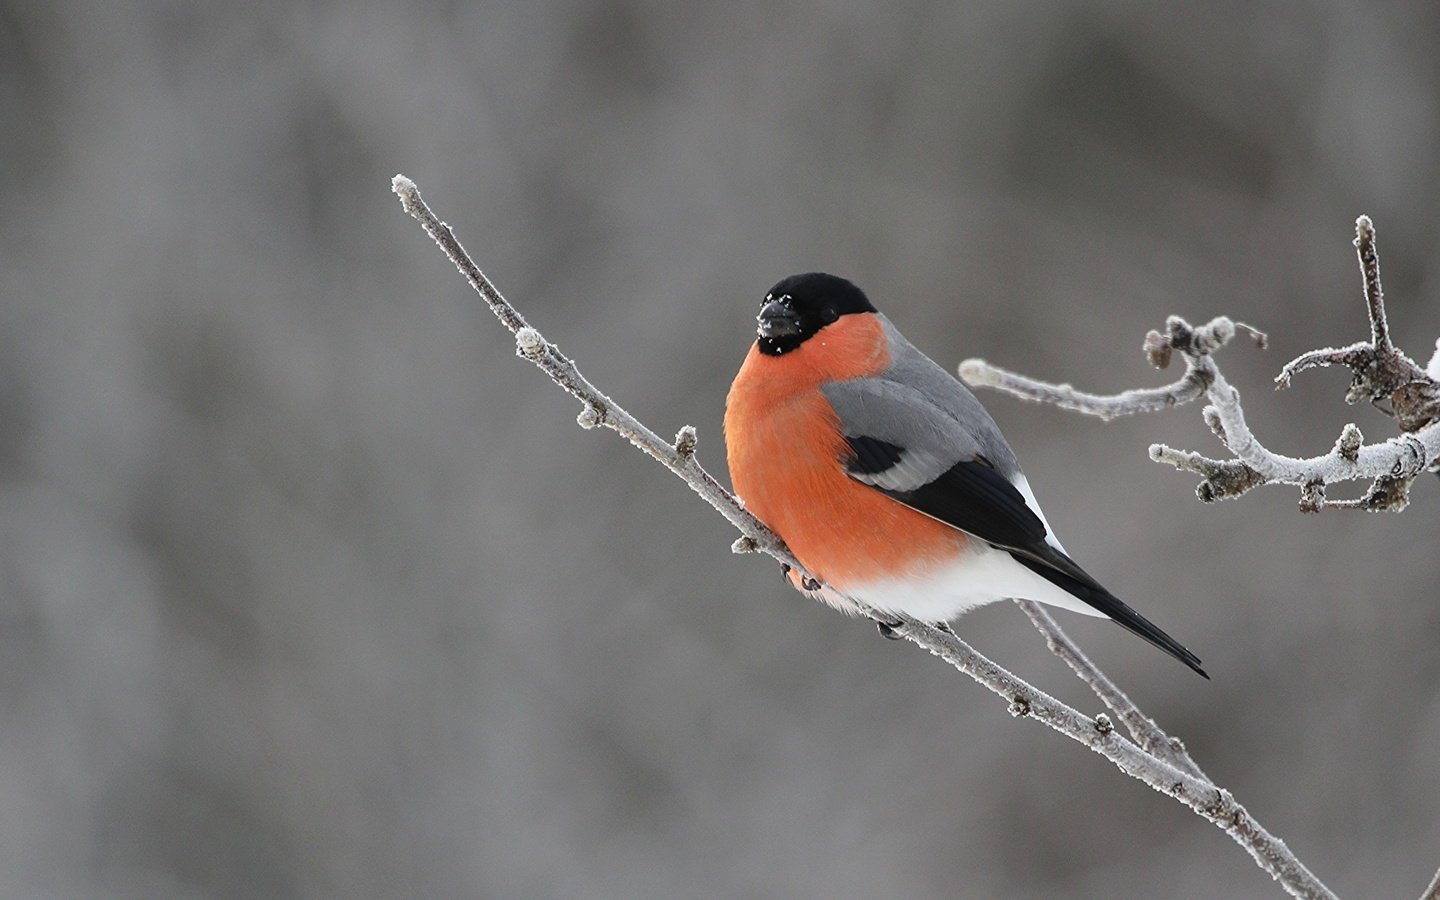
(786,453)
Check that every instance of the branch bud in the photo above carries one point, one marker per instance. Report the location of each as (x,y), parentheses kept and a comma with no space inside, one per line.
(1157,349)
(1214,335)
(685,442)
(977,372)
(1348,447)
(1211,415)
(591,416)
(529,343)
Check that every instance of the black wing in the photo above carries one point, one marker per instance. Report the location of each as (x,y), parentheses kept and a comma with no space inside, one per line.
(973,497)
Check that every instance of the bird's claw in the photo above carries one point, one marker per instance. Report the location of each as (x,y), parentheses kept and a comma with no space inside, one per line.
(887,630)
(805,583)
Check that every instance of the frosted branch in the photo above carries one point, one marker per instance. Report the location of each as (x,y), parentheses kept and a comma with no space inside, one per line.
(1195,791)
(1380,373)
(1433,891)
(1194,343)
(596,408)
(1165,767)
(1370,278)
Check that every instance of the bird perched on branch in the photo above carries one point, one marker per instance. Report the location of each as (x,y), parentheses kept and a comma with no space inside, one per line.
(888,480)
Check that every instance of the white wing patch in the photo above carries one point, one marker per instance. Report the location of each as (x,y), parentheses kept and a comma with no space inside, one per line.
(1023,487)
(916,468)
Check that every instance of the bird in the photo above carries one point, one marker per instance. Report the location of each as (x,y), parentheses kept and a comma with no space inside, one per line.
(884,475)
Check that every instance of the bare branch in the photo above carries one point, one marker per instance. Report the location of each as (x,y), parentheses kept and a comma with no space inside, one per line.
(1175,775)
(1194,343)
(1354,356)
(978,373)
(597,408)
(1379,370)
(1224,479)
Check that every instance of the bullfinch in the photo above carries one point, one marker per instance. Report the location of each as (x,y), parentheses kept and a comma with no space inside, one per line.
(884,474)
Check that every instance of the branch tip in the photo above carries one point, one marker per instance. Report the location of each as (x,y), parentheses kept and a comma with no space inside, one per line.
(1364,230)
(976,371)
(408,193)
(1370,276)
(1261,339)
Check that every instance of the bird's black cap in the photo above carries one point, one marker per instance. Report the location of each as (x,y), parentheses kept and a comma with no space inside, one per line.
(796,308)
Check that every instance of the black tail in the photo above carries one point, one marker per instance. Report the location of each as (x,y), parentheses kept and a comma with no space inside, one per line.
(1092,593)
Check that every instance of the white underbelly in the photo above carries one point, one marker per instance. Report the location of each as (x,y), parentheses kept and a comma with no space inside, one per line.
(983,576)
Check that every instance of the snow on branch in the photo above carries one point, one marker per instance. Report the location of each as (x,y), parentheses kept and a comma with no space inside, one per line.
(1381,375)
(1153,757)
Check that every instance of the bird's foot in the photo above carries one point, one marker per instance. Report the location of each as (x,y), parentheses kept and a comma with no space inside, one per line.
(888,632)
(804,583)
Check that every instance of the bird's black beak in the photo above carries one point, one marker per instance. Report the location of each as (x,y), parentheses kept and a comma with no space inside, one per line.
(777,319)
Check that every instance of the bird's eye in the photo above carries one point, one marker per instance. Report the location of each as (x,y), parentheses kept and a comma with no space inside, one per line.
(829,314)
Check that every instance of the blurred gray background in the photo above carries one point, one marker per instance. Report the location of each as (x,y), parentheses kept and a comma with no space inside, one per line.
(311,589)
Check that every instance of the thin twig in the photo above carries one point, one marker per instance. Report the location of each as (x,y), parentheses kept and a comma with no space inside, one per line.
(1352,357)
(1370,275)
(1380,372)
(1195,344)
(1191,386)
(597,408)
(1195,791)
(1146,732)
(1433,891)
